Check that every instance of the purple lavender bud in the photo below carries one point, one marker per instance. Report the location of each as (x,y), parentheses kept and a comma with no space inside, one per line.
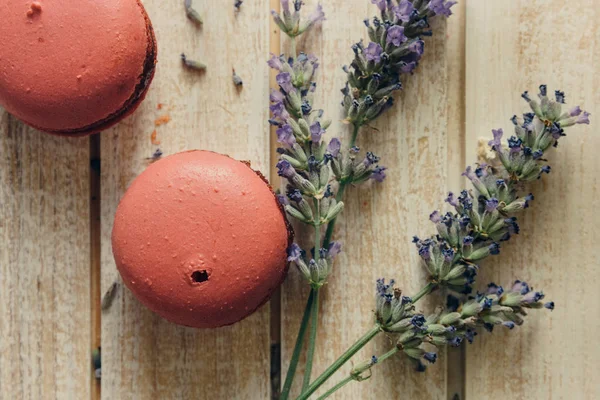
(418,320)
(284,79)
(367,22)
(525,95)
(285,169)
(417,47)
(496,143)
(487,303)
(435,217)
(543,90)
(583,118)
(454,341)
(370,159)
(404,10)
(560,96)
(549,305)
(431,357)
(334,147)
(316,16)
(335,248)
(441,7)
(494,249)
(470,174)
(275,62)
(468,240)
(470,335)
(546,169)
(537,154)
(294,252)
(408,67)
(532,297)
(276,96)
(381,4)
(285,135)
(378,174)
(395,35)
(285,5)
(491,205)
(373,52)
(448,254)
(495,289)
(316,132)
(575,111)
(424,252)
(520,287)
(464,221)
(283,200)
(451,199)
(509,324)
(374,360)
(514,143)
(295,195)
(279,111)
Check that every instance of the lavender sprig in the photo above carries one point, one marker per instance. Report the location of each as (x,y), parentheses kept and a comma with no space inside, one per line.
(395,49)
(484,217)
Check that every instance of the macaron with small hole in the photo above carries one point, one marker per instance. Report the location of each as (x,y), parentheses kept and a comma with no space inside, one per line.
(74,67)
(201,239)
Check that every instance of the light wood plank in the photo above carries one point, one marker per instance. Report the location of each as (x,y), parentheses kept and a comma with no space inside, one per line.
(378,223)
(143,356)
(44,265)
(514,46)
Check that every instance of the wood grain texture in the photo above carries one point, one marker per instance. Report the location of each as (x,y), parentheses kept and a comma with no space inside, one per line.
(143,356)
(378,222)
(514,46)
(44,265)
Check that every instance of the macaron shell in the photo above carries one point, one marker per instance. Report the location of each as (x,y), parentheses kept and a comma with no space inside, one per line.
(198,215)
(71,63)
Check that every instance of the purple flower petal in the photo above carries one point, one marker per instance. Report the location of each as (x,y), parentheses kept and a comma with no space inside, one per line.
(334,147)
(395,35)
(575,111)
(294,252)
(275,62)
(404,10)
(381,4)
(284,79)
(276,96)
(285,135)
(316,132)
(373,52)
(279,111)
(335,248)
(285,169)
(378,174)
(496,143)
(417,47)
(441,7)
(584,118)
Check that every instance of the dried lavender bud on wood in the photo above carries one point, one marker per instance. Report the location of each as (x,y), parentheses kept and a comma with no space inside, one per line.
(109,296)
(192,64)
(192,13)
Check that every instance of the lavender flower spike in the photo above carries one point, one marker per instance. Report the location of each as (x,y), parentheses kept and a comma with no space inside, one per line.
(395,48)
(290,22)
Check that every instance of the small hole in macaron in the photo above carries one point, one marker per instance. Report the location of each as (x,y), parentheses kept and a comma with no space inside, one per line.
(200,276)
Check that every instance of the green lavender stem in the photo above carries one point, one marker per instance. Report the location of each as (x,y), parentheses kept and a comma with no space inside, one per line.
(359,344)
(314,320)
(340,193)
(351,378)
(334,389)
(424,292)
(289,379)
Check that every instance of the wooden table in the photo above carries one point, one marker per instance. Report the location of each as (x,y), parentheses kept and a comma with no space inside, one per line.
(58,205)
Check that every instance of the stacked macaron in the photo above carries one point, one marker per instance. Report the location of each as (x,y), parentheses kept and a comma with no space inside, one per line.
(74,67)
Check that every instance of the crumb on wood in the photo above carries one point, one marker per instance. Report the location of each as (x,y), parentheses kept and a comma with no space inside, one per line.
(153,138)
(159,106)
(162,120)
